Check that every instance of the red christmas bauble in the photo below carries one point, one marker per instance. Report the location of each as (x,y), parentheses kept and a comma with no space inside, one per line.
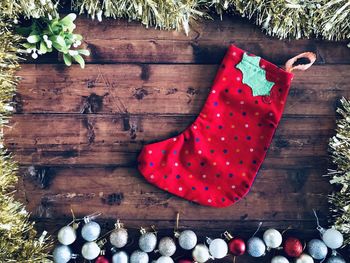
(185,261)
(293,247)
(236,246)
(101,259)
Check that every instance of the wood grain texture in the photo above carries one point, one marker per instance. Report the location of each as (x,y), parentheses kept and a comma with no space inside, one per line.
(117,139)
(83,129)
(156,89)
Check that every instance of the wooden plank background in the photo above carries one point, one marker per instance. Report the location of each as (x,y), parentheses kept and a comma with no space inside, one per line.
(84,128)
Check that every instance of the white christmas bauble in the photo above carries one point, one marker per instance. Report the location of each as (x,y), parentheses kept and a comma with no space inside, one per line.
(90,250)
(218,248)
(163,259)
(66,235)
(187,239)
(148,242)
(91,231)
(317,249)
(272,238)
(119,237)
(304,258)
(167,246)
(139,256)
(200,253)
(62,254)
(279,259)
(120,257)
(333,238)
(256,247)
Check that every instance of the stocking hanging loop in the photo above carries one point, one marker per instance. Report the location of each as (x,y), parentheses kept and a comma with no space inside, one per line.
(309,55)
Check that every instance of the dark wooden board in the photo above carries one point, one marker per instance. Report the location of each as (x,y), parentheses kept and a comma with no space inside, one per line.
(85,128)
(155,89)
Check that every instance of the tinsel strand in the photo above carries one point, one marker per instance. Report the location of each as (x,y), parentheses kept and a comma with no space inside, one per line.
(340,150)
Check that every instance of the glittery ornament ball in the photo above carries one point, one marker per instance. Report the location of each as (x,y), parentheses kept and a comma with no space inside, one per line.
(279,259)
(90,250)
(91,231)
(66,235)
(139,256)
(218,248)
(187,239)
(272,238)
(62,254)
(256,247)
(101,259)
(237,246)
(333,238)
(119,237)
(293,247)
(167,246)
(148,242)
(200,253)
(317,249)
(335,259)
(184,260)
(163,259)
(120,257)
(304,258)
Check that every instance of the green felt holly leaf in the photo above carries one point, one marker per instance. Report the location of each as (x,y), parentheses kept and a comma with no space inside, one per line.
(254,76)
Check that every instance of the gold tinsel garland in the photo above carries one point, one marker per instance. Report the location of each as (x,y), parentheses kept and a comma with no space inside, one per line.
(340,148)
(19,241)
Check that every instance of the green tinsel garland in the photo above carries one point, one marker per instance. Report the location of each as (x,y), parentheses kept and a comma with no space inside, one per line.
(340,147)
(18,238)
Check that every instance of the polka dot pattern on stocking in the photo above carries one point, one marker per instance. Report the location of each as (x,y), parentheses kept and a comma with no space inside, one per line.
(215,161)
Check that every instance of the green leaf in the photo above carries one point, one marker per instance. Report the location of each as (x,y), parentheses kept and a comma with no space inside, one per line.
(80,60)
(67,59)
(43,47)
(84,52)
(33,39)
(78,37)
(68,19)
(28,45)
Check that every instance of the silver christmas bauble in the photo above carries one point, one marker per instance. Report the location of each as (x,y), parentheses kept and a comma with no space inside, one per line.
(90,250)
(218,248)
(66,235)
(304,258)
(256,247)
(148,242)
(163,259)
(279,259)
(91,231)
(139,256)
(167,246)
(333,238)
(335,259)
(119,237)
(62,254)
(187,239)
(317,249)
(120,257)
(272,238)
(200,253)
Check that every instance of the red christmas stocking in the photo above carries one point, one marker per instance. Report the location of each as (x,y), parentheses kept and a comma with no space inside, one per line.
(215,160)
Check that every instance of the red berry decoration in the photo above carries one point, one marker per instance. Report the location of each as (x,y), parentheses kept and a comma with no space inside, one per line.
(101,259)
(293,247)
(185,261)
(236,246)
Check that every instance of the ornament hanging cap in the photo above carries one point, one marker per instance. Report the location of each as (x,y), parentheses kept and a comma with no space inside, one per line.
(309,55)
(118,224)
(90,217)
(319,227)
(227,235)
